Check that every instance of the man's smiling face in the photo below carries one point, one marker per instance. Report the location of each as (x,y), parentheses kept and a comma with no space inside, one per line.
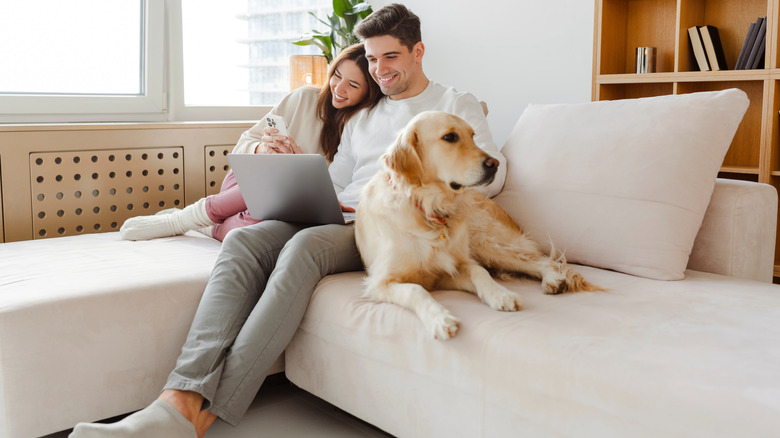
(393,66)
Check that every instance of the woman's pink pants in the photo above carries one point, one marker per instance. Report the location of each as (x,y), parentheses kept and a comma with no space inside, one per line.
(227,208)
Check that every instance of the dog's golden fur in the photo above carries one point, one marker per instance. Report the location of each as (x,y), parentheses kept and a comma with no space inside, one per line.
(421,226)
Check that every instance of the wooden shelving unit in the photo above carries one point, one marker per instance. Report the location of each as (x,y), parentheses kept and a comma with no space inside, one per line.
(623,25)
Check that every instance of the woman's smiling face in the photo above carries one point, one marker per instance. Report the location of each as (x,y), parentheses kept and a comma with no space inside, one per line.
(347,85)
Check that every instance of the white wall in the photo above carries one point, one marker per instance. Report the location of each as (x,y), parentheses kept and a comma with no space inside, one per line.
(508,53)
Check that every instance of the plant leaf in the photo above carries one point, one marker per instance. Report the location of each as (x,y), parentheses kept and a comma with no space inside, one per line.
(359,10)
(330,25)
(339,6)
(346,14)
(361,7)
(323,43)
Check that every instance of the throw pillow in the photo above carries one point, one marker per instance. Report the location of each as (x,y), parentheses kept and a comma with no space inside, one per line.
(622,184)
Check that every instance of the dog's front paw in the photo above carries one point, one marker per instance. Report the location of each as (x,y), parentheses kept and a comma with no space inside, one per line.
(442,326)
(501,298)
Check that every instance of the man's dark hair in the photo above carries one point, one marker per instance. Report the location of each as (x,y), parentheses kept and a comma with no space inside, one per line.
(394,20)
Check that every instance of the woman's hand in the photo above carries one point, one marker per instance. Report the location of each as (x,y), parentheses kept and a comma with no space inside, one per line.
(277,144)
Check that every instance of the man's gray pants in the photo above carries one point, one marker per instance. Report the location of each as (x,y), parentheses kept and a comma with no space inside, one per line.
(252,306)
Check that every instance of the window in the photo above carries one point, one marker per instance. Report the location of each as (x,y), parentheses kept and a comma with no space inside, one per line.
(215,55)
(89,56)
(81,57)
(112,60)
(235,54)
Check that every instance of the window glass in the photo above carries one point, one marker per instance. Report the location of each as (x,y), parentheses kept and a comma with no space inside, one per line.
(236,52)
(84,47)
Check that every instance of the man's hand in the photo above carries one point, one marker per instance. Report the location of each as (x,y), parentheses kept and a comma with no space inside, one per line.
(345,208)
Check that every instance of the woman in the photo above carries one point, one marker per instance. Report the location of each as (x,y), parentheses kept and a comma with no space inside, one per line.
(235,336)
(315,118)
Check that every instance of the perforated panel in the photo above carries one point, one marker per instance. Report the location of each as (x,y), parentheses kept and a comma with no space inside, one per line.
(95,191)
(216,166)
(2,213)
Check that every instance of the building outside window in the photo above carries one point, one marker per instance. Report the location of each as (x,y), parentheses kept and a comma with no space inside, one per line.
(250,48)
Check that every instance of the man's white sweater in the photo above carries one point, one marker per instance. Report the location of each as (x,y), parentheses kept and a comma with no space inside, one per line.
(369,133)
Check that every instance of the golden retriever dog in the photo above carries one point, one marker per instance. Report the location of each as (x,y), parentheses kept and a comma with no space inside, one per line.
(421,226)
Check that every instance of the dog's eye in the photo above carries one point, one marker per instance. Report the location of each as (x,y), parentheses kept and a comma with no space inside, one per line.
(450,137)
(455,186)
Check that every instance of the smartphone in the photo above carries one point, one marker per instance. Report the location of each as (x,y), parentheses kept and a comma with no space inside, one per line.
(274,121)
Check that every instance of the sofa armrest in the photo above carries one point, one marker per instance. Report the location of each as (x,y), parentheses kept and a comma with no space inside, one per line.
(737,236)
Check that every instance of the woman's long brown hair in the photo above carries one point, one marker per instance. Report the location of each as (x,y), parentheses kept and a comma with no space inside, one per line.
(333,120)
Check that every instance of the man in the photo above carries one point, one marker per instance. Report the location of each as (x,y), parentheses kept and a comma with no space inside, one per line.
(266,273)
(395,51)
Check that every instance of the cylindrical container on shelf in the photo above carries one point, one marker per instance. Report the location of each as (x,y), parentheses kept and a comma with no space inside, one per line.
(645,59)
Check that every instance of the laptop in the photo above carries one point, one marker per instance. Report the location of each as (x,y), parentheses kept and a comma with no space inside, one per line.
(288,187)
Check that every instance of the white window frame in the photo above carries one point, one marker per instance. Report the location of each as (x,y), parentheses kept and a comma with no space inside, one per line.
(178,110)
(149,106)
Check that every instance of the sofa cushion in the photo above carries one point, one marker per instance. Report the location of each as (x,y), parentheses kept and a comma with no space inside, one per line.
(91,325)
(648,358)
(624,184)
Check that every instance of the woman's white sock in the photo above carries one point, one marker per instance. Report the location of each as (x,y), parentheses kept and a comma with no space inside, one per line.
(191,217)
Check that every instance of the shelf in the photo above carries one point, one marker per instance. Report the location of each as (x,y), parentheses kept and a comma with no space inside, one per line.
(732,18)
(623,25)
(695,76)
(626,25)
(633,78)
(634,90)
(742,170)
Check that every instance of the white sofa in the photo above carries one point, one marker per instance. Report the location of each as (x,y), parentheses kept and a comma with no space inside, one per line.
(91,325)
(625,188)
(697,357)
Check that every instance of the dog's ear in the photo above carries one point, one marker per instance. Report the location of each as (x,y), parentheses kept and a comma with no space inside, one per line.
(403,158)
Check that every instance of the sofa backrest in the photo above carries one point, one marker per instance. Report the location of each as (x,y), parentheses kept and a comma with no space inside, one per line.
(737,235)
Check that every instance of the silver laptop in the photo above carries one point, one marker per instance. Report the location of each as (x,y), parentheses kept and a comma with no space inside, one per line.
(288,187)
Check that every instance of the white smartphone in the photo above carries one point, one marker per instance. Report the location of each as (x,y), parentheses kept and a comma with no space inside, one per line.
(274,121)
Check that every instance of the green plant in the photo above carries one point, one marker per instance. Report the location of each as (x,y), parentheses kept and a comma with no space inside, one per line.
(346,15)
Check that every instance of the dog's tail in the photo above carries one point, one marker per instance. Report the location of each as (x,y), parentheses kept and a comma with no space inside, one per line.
(574,280)
(576,283)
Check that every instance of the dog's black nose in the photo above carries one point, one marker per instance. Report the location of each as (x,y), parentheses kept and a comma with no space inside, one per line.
(491,165)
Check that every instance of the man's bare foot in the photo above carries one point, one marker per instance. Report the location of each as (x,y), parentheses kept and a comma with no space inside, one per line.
(189,404)
(203,422)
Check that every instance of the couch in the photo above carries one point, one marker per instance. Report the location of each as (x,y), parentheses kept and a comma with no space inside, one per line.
(684,342)
(691,358)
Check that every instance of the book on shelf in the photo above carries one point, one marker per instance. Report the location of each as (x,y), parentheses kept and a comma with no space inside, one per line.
(698,48)
(760,36)
(713,47)
(746,46)
(759,62)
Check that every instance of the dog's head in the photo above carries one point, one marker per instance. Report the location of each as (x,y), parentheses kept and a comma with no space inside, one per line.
(438,147)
